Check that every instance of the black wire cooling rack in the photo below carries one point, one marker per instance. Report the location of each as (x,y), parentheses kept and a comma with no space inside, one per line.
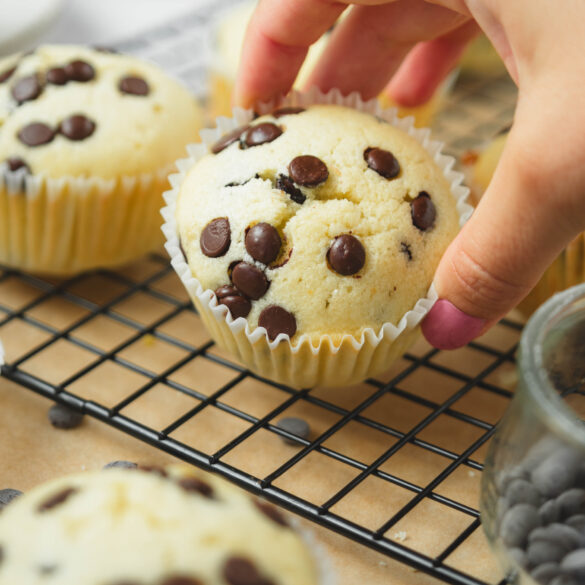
(393,463)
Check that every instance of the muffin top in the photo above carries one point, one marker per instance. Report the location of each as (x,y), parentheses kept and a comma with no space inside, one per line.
(149,527)
(75,111)
(317,221)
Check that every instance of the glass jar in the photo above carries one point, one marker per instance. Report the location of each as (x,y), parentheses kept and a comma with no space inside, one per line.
(533,490)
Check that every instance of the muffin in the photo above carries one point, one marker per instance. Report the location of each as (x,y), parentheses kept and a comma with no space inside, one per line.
(87,139)
(152,526)
(314,231)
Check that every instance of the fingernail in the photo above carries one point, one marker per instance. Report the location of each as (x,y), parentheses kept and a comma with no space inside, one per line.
(447,327)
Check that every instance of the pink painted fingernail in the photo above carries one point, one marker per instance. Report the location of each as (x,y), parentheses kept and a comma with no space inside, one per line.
(447,327)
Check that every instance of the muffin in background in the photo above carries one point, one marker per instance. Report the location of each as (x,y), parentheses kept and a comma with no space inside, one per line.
(158,526)
(87,139)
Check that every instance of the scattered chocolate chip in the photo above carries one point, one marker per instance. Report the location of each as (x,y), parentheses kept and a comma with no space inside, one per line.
(239,184)
(77,127)
(346,255)
(261,134)
(423,211)
(193,484)
(15,162)
(56,500)
(285,184)
(250,280)
(216,237)
(79,71)
(26,89)
(277,320)
(7,74)
(287,111)
(294,426)
(241,571)
(57,76)
(382,161)
(120,464)
(64,417)
(134,86)
(156,469)
(405,249)
(271,512)
(7,495)
(263,242)
(181,580)
(36,134)
(308,170)
(234,300)
(228,139)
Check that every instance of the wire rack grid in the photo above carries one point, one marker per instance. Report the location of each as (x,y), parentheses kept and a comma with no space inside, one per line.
(393,463)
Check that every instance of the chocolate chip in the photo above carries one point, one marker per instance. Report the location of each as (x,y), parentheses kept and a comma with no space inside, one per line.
(7,495)
(15,162)
(57,76)
(228,139)
(346,255)
(7,74)
(382,161)
(56,500)
(79,71)
(261,134)
(192,484)
(156,469)
(308,170)
(77,127)
(287,111)
(181,580)
(216,237)
(26,89)
(36,134)
(285,184)
(405,249)
(234,300)
(263,242)
(294,426)
(277,320)
(120,464)
(250,280)
(134,86)
(241,571)
(64,417)
(270,512)
(423,211)
(240,183)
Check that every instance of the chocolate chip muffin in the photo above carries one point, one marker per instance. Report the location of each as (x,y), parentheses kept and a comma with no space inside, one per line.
(87,138)
(152,526)
(316,226)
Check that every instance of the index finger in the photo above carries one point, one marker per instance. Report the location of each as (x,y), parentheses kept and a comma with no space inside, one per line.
(278,37)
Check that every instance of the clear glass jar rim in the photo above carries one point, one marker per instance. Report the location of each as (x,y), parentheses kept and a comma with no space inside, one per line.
(537,383)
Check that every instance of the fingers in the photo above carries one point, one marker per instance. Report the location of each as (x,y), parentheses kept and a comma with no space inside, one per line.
(428,64)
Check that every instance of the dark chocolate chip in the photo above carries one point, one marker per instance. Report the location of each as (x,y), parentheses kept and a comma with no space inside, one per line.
(294,426)
(228,139)
(192,484)
(287,111)
(234,300)
(261,134)
(277,320)
(27,89)
(79,71)
(216,237)
(64,417)
(7,74)
(405,249)
(250,280)
(120,464)
(15,162)
(57,76)
(263,242)
(134,86)
(285,184)
(423,211)
(382,161)
(36,134)
(346,255)
(271,512)
(181,580)
(241,571)
(239,184)
(308,170)
(77,127)
(7,495)
(156,469)
(56,500)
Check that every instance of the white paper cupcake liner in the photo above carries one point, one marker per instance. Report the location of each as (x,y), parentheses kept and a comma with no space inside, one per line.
(302,363)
